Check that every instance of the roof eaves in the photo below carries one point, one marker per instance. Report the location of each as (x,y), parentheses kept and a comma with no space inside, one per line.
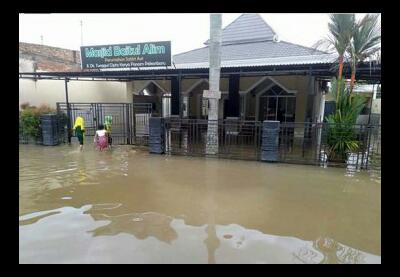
(293,60)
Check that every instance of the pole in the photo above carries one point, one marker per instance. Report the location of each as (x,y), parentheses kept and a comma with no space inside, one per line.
(214,78)
(81,33)
(370,105)
(68,112)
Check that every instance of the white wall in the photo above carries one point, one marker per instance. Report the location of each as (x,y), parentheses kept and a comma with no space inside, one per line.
(52,91)
(376,106)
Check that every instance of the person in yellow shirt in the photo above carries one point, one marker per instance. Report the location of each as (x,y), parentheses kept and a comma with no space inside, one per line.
(79,128)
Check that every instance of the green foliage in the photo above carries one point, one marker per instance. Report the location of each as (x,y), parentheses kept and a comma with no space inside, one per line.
(340,28)
(341,136)
(29,121)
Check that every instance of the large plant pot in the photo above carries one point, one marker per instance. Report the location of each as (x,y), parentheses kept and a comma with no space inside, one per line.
(334,158)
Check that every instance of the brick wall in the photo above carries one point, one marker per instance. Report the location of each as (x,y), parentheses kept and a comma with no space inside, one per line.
(48,58)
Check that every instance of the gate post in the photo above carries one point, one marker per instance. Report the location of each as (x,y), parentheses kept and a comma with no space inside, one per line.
(128,123)
(156,135)
(69,125)
(270,141)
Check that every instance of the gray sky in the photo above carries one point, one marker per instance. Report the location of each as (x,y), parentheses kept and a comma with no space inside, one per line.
(185,31)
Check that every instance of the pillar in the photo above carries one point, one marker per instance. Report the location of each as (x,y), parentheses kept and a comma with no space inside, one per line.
(233,109)
(175,95)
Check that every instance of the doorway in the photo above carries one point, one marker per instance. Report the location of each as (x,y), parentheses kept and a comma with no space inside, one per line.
(277,104)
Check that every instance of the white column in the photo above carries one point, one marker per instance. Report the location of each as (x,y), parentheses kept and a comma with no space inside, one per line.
(214,79)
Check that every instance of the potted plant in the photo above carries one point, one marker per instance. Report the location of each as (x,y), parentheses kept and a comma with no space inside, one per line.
(341,129)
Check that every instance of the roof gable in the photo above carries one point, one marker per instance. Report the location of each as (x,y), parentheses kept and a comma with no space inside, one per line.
(247,28)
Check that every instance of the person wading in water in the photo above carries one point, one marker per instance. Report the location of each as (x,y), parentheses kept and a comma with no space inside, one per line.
(79,128)
(101,138)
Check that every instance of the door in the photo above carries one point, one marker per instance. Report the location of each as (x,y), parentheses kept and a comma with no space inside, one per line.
(141,113)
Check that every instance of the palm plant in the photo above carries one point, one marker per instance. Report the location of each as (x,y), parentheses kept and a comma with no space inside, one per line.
(357,40)
(341,28)
(341,135)
(365,42)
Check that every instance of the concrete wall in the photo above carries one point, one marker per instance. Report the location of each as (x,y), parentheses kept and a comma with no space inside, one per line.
(298,83)
(247,82)
(52,91)
(376,106)
(187,84)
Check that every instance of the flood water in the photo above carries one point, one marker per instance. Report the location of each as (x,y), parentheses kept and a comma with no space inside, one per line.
(129,206)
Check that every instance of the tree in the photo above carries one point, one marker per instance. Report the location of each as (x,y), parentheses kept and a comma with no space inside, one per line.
(365,42)
(341,28)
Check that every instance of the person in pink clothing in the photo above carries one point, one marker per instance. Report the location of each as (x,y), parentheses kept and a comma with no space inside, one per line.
(101,138)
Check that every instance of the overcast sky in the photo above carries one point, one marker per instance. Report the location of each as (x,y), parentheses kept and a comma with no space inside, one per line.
(185,31)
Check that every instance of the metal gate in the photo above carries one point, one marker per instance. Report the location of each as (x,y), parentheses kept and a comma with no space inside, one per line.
(95,113)
(141,116)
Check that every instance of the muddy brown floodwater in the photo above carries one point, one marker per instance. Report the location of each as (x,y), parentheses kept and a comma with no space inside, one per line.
(128,206)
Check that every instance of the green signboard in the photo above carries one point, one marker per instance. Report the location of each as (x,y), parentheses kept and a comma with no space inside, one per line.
(132,55)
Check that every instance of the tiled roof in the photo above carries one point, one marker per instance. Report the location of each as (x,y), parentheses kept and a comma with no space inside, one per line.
(247,28)
(248,51)
(249,41)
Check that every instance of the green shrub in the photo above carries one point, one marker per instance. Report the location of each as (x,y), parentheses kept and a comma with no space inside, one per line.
(29,121)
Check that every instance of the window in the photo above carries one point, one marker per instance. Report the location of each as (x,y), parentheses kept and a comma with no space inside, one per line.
(277,104)
(204,107)
(242,106)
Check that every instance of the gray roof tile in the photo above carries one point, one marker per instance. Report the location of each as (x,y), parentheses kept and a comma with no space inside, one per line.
(249,41)
(247,28)
(248,51)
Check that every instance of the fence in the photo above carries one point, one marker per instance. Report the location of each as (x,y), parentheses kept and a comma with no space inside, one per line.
(130,122)
(302,143)
(310,143)
(236,139)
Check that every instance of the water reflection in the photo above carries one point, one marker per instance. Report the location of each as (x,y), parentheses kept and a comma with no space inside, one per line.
(141,225)
(66,236)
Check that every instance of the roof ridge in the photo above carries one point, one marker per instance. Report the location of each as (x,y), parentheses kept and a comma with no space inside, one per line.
(244,14)
(265,22)
(207,41)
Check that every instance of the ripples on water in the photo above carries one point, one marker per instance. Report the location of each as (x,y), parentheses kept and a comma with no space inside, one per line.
(126,206)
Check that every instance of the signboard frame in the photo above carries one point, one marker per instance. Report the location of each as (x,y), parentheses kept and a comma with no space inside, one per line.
(126,55)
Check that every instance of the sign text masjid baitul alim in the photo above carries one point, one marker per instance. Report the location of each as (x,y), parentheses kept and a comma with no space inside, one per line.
(146,54)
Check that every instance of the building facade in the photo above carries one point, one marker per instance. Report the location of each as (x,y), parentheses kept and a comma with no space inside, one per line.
(249,44)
